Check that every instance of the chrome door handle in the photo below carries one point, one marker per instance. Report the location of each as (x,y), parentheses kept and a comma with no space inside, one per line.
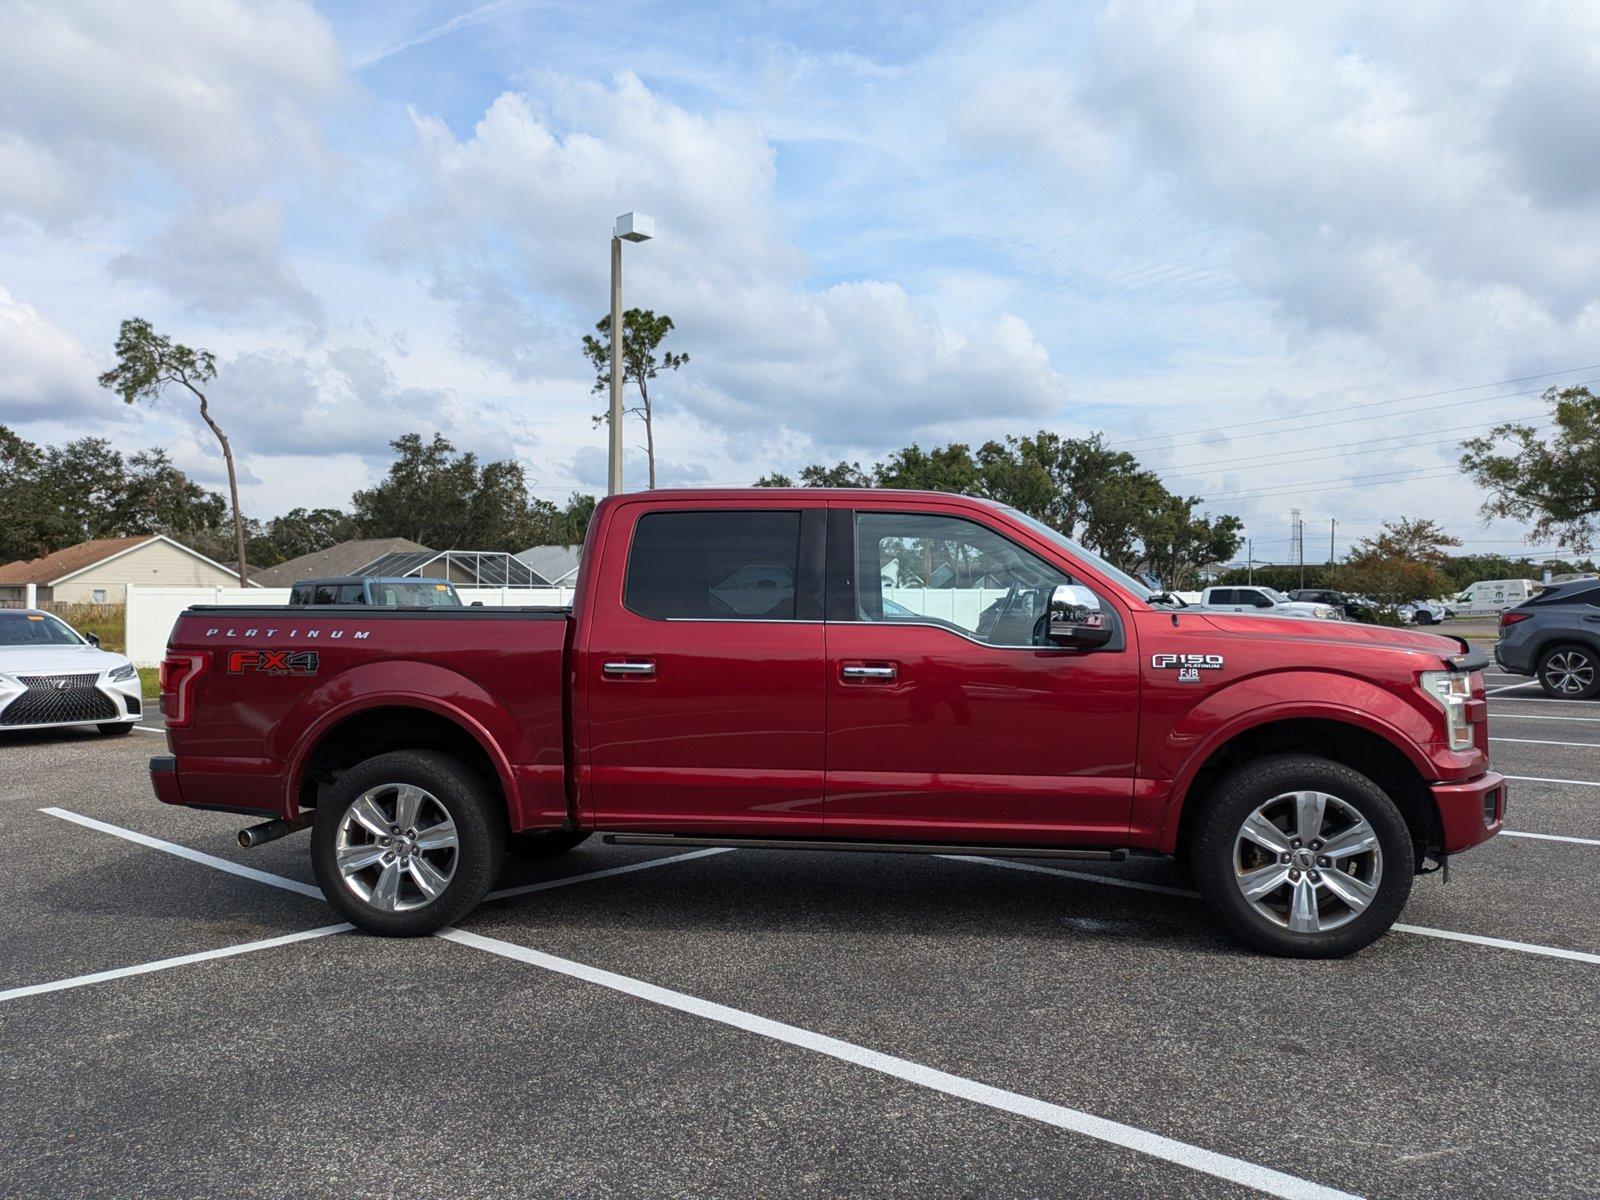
(868,672)
(629,668)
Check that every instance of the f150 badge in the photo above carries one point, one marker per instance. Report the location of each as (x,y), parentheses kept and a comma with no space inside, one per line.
(273,662)
(1188,666)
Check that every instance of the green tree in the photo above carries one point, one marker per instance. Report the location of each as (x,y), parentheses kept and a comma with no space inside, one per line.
(447,501)
(24,531)
(571,523)
(1405,560)
(147,364)
(1178,544)
(642,335)
(1550,477)
(301,531)
(159,498)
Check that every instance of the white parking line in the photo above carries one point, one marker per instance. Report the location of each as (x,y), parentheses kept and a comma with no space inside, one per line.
(148,729)
(1542,742)
(162,964)
(1420,930)
(1209,1162)
(1543,779)
(210,860)
(1511,687)
(1550,837)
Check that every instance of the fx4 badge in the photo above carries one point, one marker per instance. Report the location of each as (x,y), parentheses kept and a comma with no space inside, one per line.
(272,662)
(1188,666)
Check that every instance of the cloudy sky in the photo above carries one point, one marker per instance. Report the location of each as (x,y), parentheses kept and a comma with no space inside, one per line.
(1270,248)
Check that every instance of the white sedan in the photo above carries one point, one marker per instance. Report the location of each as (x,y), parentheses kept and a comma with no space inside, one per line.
(51,676)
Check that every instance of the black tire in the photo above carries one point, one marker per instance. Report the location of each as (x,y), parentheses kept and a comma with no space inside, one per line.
(115,728)
(1421,617)
(1576,657)
(544,843)
(479,849)
(1239,794)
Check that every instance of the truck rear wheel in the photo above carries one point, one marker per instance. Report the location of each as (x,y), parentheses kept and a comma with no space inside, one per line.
(406,843)
(1302,856)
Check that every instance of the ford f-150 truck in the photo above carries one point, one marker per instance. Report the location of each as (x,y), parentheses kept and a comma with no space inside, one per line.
(848,670)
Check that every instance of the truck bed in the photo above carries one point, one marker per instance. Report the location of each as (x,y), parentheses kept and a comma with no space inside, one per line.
(276,681)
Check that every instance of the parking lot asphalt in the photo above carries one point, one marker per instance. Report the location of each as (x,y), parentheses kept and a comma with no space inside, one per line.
(761,1023)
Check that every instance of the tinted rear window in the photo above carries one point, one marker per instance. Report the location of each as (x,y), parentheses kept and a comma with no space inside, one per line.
(719,566)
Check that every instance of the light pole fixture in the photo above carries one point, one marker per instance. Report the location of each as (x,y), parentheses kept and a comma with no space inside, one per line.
(630,227)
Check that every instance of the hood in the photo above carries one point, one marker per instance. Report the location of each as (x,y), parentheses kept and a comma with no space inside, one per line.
(1450,649)
(57,660)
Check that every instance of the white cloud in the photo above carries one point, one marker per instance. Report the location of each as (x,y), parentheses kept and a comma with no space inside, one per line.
(46,374)
(210,95)
(225,260)
(530,194)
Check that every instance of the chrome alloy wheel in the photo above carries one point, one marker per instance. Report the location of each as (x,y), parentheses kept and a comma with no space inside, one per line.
(1308,862)
(397,847)
(1569,671)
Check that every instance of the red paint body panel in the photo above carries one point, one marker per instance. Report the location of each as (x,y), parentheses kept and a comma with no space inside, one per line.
(750,727)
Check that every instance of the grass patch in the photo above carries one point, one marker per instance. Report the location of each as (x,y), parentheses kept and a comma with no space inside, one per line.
(150,681)
(105,621)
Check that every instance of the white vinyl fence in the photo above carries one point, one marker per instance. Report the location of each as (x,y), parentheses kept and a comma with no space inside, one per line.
(152,611)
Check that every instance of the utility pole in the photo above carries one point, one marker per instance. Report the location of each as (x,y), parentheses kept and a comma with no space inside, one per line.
(1250,560)
(1297,536)
(1333,529)
(631,227)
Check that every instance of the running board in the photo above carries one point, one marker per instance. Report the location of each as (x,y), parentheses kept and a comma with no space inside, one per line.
(754,843)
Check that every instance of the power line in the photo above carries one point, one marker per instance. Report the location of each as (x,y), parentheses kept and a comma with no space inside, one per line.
(1295,489)
(1365,405)
(1280,457)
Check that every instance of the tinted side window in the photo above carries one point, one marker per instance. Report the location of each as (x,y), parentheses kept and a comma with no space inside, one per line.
(1223,596)
(352,594)
(326,593)
(300,595)
(709,565)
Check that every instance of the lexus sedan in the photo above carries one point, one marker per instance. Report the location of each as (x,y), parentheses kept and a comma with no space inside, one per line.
(52,676)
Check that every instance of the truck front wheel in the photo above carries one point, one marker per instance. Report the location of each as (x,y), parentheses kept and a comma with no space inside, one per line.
(1302,856)
(406,843)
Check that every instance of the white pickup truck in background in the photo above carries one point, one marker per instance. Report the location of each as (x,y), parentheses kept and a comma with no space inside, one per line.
(1264,601)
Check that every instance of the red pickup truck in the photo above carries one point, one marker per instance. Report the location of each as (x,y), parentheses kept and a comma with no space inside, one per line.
(848,670)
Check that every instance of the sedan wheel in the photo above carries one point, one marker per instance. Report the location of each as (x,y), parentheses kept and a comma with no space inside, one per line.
(1307,861)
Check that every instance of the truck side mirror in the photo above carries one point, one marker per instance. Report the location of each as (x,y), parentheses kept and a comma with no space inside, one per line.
(1076,618)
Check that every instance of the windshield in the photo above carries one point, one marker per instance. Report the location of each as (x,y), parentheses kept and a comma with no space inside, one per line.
(35,629)
(1275,595)
(424,593)
(1060,539)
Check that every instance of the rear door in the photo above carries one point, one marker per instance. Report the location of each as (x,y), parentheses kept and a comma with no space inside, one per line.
(703,670)
(950,716)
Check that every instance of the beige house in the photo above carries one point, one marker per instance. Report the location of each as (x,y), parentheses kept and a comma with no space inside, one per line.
(99,572)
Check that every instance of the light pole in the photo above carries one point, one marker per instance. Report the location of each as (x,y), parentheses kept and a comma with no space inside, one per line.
(630,227)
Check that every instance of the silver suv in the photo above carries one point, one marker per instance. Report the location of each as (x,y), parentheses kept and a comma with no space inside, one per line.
(1556,638)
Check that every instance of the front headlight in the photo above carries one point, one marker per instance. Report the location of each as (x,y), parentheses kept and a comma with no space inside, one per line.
(1327,613)
(1452,690)
(125,671)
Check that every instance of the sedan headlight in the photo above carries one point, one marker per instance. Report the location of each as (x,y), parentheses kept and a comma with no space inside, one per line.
(125,671)
(1452,690)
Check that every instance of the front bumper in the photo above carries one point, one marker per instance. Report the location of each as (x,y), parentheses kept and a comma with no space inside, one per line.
(1470,812)
(86,699)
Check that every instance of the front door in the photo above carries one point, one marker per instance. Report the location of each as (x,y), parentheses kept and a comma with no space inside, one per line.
(950,716)
(703,675)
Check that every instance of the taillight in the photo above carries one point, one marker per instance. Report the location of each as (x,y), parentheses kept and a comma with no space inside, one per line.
(178,675)
(1511,617)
